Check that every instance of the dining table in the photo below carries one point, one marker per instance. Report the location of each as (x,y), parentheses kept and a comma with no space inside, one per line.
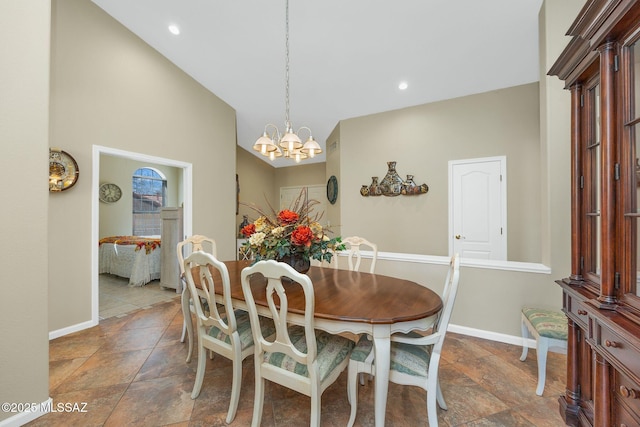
(356,303)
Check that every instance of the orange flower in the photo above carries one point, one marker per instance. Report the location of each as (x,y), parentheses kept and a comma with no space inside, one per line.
(302,236)
(287,217)
(248,230)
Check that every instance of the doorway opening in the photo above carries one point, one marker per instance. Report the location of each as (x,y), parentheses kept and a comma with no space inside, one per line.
(185,188)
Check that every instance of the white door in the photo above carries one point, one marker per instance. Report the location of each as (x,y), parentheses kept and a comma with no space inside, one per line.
(478,208)
(314,192)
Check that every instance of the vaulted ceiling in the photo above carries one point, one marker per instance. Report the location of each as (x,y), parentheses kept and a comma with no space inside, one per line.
(347,58)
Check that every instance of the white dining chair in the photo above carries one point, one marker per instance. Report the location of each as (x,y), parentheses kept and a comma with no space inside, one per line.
(191,244)
(414,358)
(228,334)
(299,357)
(354,256)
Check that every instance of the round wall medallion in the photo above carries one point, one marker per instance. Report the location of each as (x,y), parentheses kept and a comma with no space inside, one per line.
(110,193)
(63,170)
(332,189)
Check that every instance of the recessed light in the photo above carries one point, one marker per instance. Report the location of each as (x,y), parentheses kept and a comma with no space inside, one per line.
(173,28)
(403,85)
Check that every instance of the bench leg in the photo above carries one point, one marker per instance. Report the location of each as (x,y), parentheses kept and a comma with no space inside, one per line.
(525,335)
(541,350)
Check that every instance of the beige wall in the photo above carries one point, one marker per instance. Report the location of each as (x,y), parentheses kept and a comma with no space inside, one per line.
(24,127)
(260,183)
(332,167)
(555,149)
(257,184)
(116,219)
(302,175)
(110,89)
(422,140)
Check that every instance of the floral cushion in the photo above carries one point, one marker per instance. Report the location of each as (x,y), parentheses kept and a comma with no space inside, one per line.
(244,329)
(409,359)
(548,323)
(332,350)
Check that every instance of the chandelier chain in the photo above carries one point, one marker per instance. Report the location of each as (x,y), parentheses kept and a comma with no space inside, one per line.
(286,105)
(287,144)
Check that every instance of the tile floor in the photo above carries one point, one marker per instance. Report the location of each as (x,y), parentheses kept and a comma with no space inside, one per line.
(131,370)
(118,298)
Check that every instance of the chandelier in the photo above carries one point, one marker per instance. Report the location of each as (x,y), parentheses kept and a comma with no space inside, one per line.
(274,144)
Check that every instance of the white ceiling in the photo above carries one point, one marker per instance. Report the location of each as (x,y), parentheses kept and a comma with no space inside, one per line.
(347,57)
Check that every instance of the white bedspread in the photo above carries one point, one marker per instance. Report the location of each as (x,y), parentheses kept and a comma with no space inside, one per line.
(125,261)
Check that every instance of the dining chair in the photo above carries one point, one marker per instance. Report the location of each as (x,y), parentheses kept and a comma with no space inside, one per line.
(354,256)
(298,357)
(228,334)
(191,244)
(414,357)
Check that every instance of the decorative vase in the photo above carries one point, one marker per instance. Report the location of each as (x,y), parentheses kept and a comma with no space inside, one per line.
(296,261)
(409,187)
(374,188)
(364,190)
(391,184)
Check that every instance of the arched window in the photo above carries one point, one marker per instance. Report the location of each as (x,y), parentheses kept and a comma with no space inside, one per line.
(149,197)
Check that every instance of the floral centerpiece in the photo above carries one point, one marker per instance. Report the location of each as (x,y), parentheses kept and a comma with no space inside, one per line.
(292,235)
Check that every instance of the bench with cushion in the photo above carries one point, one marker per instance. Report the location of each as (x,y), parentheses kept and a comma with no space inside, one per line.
(549,328)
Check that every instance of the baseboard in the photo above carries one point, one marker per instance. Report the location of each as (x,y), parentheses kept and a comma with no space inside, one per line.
(491,336)
(70,329)
(23,418)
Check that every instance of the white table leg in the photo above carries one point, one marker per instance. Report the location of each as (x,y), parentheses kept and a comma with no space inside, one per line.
(382,351)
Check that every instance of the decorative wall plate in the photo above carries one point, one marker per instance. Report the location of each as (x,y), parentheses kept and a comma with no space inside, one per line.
(63,170)
(332,189)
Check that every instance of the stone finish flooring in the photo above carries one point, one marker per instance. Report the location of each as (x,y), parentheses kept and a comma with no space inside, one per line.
(131,370)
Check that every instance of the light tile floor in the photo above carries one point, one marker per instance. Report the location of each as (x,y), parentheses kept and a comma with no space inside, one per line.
(118,298)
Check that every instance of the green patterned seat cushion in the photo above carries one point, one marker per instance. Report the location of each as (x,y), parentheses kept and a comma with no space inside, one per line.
(548,323)
(406,358)
(332,350)
(244,329)
(362,349)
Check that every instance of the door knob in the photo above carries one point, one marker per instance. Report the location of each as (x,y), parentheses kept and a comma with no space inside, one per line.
(458,236)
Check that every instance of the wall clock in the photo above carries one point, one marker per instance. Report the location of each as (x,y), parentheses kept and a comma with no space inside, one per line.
(63,170)
(110,193)
(332,189)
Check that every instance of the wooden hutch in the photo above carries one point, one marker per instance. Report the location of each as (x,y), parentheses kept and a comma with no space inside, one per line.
(601,297)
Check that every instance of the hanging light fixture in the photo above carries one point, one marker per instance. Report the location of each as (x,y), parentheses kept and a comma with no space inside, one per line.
(274,144)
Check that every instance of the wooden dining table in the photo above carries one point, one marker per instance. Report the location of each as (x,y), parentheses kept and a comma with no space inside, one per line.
(354,302)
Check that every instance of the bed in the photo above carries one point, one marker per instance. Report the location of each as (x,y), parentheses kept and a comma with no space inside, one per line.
(136,258)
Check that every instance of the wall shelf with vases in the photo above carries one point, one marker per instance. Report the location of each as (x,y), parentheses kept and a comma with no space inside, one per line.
(393,185)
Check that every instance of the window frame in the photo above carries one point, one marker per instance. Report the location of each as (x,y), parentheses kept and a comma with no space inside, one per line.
(136,212)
